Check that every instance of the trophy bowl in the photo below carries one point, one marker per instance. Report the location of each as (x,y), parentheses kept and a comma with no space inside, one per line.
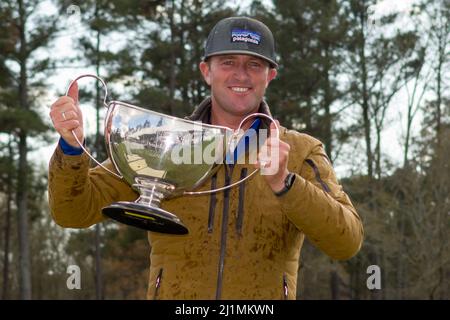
(160,157)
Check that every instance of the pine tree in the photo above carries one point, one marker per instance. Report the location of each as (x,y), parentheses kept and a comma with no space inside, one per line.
(169,77)
(25,30)
(310,37)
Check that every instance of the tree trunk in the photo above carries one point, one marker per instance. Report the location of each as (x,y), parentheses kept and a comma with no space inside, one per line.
(22,177)
(412,109)
(400,260)
(365,95)
(22,209)
(9,199)
(441,38)
(308,115)
(334,282)
(172,75)
(408,133)
(98,148)
(183,65)
(98,265)
(378,153)
(356,278)
(438,92)
(328,138)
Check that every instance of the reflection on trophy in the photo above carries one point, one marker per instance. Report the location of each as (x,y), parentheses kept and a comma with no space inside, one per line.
(159,156)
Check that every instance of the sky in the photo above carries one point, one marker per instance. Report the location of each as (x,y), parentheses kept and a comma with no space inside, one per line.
(57,85)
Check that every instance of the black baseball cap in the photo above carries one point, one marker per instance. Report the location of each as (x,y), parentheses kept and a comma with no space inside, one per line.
(241,35)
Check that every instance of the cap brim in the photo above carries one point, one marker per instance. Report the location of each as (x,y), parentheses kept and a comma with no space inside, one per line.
(272,63)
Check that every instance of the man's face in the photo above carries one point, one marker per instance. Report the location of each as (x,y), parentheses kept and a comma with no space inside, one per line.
(238,82)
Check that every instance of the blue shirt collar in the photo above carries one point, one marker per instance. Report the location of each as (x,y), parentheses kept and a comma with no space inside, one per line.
(243,144)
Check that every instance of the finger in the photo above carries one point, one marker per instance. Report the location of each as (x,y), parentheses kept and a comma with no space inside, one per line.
(264,156)
(264,163)
(67,125)
(276,145)
(73,92)
(67,115)
(56,113)
(62,101)
(266,166)
(272,142)
(78,112)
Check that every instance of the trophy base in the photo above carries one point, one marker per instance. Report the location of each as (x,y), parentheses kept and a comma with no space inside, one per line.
(145,217)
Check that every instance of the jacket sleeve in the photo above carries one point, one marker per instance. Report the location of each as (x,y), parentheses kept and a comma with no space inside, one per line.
(320,208)
(77,193)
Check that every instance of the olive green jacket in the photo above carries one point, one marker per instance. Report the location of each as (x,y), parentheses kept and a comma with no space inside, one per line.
(244,242)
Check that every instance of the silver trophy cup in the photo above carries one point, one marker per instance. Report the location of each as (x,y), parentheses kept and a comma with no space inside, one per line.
(160,157)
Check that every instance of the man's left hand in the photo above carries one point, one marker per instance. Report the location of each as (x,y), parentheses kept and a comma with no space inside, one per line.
(273,159)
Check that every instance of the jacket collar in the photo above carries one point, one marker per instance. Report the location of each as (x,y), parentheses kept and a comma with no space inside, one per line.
(203,111)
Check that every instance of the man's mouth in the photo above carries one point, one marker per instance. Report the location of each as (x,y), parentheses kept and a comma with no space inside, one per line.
(240,89)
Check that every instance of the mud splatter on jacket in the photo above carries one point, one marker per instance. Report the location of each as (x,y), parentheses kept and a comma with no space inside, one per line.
(243,243)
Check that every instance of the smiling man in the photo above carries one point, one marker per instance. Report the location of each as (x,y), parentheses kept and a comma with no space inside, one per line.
(244,242)
(238,84)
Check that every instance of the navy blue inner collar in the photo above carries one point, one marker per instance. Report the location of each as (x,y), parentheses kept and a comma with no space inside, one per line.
(243,144)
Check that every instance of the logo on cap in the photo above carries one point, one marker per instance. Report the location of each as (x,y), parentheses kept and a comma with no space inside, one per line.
(240,35)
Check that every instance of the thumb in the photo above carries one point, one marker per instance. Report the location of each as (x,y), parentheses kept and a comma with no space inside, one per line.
(73,92)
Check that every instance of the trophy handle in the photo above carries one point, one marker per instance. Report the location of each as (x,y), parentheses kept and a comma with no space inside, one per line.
(106,106)
(254,171)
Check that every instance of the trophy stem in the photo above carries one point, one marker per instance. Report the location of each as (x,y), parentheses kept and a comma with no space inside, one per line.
(146,213)
(150,197)
(152,192)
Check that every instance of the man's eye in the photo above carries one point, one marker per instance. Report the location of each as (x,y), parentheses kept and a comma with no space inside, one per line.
(228,62)
(254,65)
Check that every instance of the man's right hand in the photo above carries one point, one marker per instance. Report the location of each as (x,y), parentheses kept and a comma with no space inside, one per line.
(66,116)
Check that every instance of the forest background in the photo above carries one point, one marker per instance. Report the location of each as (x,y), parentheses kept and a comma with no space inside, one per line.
(369,78)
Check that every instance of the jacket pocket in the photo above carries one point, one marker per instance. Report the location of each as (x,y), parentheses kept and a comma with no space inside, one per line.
(285,287)
(158,284)
(317,175)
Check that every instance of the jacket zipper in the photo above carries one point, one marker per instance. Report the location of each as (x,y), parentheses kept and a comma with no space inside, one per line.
(285,287)
(212,204)
(240,213)
(317,174)
(158,284)
(223,237)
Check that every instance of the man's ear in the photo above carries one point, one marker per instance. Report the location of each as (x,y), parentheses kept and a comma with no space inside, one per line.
(204,68)
(271,75)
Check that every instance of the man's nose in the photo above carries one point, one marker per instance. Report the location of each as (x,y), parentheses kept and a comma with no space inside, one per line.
(241,72)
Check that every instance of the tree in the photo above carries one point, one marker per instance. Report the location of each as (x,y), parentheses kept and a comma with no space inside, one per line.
(381,58)
(169,80)
(310,37)
(30,31)
(102,18)
(7,170)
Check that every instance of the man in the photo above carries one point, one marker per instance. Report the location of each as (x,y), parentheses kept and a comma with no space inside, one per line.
(244,242)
